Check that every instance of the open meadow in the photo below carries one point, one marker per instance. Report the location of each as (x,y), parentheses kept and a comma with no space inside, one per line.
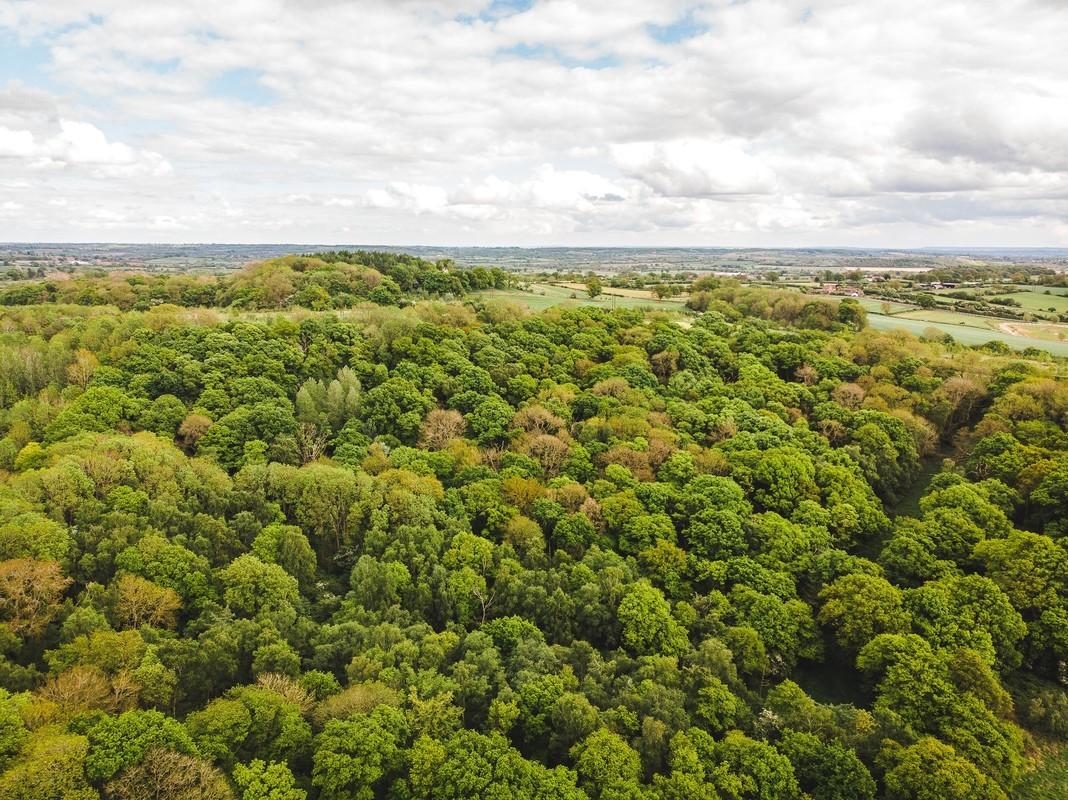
(966,333)
(539,296)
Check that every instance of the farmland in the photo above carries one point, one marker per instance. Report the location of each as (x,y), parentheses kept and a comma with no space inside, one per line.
(1038,301)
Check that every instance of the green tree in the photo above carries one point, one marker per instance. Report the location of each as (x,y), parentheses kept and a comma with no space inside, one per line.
(251,586)
(267,781)
(932,770)
(473,766)
(827,771)
(51,765)
(395,407)
(116,743)
(356,758)
(859,607)
(606,765)
(648,626)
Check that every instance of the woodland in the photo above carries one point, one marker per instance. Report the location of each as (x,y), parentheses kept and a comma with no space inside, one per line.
(336,527)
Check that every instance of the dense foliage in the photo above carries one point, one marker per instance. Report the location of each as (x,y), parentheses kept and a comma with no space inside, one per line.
(328,280)
(458,551)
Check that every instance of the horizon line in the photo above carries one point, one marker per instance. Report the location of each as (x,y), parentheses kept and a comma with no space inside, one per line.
(366,245)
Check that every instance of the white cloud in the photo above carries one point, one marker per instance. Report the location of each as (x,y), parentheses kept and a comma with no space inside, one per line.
(79,145)
(769,122)
(15,144)
(399,195)
(695,167)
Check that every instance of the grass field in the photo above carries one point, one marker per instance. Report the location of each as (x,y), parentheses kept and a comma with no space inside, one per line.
(543,295)
(1049,779)
(634,294)
(872,304)
(951,318)
(972,334)
(1037,301)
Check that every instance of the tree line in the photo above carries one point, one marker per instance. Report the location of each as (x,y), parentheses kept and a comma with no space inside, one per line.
(319,281)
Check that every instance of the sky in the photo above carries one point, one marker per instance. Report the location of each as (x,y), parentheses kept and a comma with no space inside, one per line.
(774,123)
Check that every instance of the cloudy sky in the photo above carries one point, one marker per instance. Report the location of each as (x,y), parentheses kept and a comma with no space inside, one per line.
(629,122)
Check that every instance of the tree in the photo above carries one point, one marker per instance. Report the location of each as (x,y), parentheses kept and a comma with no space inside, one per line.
(440,427)
(648,626)
(275,728)
(116,743)
(490,420)
(859,607)
(356,756)
(140,602)
(81,369)
(932,770)
(754,769)
(168,565)
(1029,568)
(251,586)
(12,729)
(325,496)
(192,428)
(827,771)
(51,765)
(783,478)
(473,766)
(395,406)
(267,781)
(288,547)
(31,535)
(852,314)
(163,773)
(30,593)
(606,765)
(594,287)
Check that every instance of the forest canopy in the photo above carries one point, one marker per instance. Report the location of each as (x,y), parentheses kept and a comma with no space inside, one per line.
(458,550)
(320,281)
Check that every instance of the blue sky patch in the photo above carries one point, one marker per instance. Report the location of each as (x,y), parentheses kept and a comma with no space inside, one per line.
(540,52)
(685,27)
(242,84)
(163,67)
(498,9)
(26,63)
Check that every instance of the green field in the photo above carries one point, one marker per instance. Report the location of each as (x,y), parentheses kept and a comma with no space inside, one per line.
(1053,290)
(951,318)
(542,296)
(965,334)
(873,305)
(1038,301)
